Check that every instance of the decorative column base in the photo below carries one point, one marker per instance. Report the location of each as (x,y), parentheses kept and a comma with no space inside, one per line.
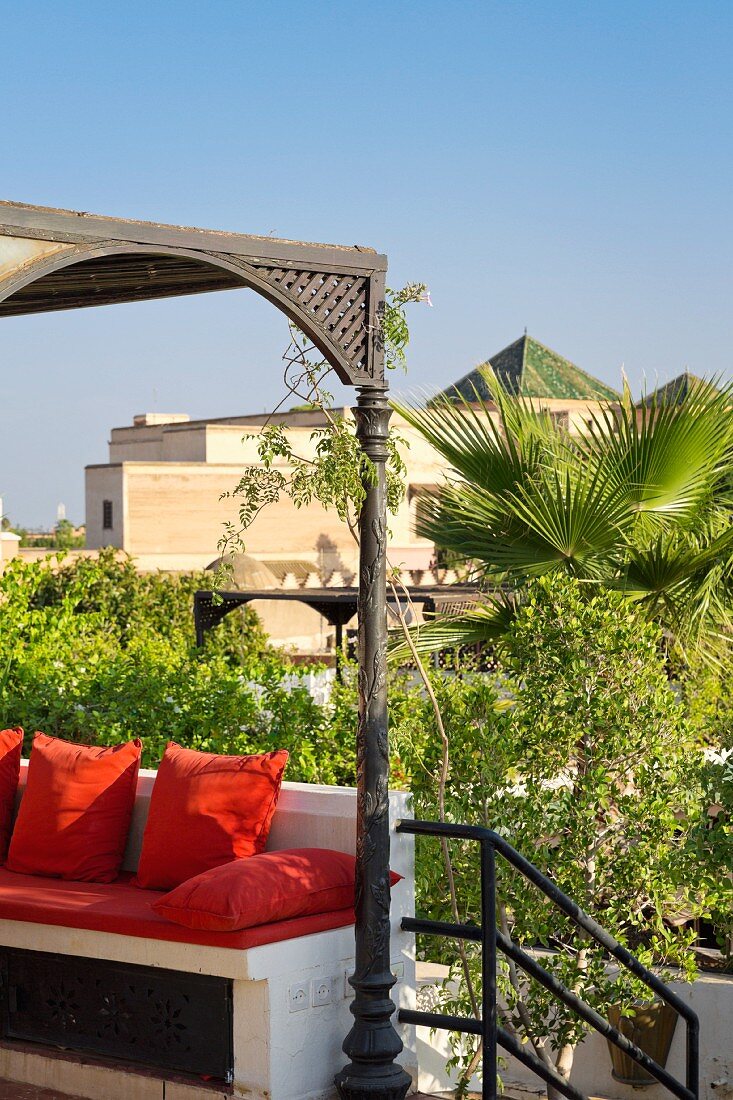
(374,1090)
(373,1044)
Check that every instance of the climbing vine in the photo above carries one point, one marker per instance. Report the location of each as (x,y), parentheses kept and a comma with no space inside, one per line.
(335,471)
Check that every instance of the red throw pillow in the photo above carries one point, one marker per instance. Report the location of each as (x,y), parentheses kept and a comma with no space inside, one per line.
(75,813)
(11,747)
(206,810)
(297,882)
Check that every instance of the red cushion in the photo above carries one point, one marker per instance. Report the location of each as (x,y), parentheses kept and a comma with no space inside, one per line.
(122,908)
(270,887)
(11,747)
(75,813)
(206,810)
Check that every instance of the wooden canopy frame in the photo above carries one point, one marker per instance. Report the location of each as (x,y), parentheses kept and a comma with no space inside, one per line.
(59,259)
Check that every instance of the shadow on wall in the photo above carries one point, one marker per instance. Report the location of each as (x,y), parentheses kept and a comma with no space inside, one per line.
(331,562)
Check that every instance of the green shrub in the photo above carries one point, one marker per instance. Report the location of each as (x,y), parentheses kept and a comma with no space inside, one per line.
(707,691)
(594,773)
(95,652)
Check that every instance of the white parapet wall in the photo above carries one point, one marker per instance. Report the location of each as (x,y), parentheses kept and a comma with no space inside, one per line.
(305,1044)
(711,996)
(9,544)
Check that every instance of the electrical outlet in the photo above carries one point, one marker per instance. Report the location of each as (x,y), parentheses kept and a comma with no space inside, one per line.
(320,992)
(298,997)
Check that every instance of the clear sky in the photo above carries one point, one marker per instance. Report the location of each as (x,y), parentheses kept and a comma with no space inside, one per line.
(563,165)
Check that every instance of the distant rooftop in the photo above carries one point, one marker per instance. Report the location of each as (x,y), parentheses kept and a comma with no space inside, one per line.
(678,390)
(298,417)
(145,420)
(530,369)
(526,367)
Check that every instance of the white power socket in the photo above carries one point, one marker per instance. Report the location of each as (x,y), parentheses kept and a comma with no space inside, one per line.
(298,997)
(320,992)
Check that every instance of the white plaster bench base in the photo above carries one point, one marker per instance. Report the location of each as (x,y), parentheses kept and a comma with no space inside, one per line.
(278,1054)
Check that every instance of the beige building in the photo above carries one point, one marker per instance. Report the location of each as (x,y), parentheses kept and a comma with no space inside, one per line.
(160,497)
(9,543)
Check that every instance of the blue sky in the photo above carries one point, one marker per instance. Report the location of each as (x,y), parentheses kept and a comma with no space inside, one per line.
(555,164)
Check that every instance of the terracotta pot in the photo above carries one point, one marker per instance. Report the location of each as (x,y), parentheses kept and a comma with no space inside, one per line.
(652,1029)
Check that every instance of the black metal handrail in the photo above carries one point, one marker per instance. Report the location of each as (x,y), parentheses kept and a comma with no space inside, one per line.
(489,936)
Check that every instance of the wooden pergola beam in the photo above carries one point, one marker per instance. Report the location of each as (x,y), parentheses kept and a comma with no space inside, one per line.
(49,223)
(57,259)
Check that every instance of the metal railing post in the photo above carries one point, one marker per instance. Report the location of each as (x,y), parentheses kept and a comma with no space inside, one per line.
(693,1055)
(488,969)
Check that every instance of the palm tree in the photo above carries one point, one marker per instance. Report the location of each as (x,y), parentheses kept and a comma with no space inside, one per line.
(641,503)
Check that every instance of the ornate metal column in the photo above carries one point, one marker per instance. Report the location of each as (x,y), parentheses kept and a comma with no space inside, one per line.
(373,1044)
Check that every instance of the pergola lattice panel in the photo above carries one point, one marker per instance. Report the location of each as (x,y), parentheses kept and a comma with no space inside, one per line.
(337,302)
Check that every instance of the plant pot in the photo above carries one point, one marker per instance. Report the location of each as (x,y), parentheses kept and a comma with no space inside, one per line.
(652,1030)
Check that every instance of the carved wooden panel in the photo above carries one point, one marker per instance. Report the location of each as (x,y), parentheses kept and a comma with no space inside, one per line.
(337,302)
(163,1018)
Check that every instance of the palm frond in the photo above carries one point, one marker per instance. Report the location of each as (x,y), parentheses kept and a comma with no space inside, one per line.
(577,517)
(495,445)
(642,503)
(672,560)
(561,518)
(486,623)
(685,582)
(664,457)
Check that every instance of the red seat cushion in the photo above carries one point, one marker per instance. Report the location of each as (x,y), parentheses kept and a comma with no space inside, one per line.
(11,747)
(273,886)
(123,908)
(75,814)
(206,810)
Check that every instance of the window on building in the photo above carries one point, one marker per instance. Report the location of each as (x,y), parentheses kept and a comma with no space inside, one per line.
(107,515)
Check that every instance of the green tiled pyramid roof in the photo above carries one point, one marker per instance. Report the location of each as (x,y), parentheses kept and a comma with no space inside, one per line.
(529,369)
(678,390)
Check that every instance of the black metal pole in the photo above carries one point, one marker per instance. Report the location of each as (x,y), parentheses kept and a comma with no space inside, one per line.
(373,1044)
(692,1079)
(339,650)
(488,969)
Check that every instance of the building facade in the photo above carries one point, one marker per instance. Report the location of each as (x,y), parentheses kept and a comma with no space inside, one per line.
(162,495)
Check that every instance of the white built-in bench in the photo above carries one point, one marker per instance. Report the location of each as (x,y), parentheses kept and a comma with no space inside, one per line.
(281,1050)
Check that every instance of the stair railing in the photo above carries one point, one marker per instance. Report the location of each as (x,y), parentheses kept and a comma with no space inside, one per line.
(491,939)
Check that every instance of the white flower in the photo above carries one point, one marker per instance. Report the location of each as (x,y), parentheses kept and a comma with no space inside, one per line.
(717,756)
